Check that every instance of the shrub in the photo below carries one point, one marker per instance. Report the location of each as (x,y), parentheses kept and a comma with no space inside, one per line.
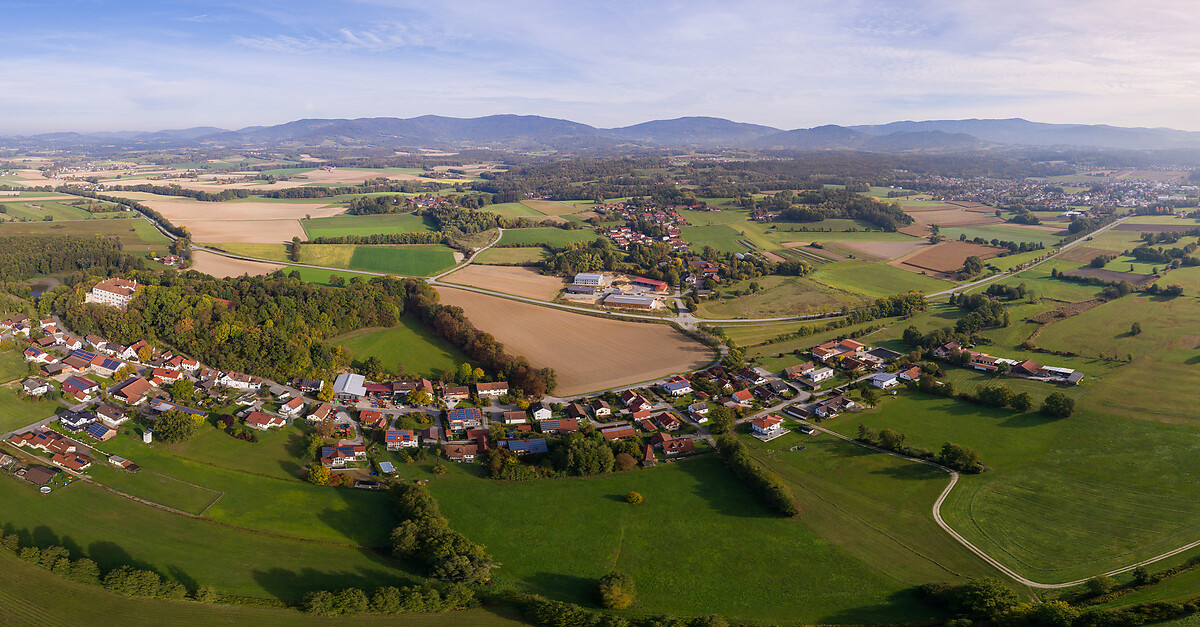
(206,594)
(625,461)
(633,498)
(616,591)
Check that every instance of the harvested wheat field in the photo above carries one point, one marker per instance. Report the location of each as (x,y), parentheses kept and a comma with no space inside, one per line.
(187,209)
(883,250)
(945,257)
(953,217)
(587,353)
(243,231)
(515,280)
(550,207)
(222,267)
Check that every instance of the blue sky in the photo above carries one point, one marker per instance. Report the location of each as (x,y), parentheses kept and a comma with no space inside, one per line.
(97,65)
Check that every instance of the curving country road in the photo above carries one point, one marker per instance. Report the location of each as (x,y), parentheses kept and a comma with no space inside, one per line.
(937,517)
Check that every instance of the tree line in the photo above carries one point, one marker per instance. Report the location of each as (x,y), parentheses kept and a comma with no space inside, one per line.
(26,256)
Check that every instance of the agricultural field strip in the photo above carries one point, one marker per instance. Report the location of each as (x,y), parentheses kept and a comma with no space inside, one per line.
(434,280)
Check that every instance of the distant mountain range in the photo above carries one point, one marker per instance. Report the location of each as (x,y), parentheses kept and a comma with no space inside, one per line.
(531,132)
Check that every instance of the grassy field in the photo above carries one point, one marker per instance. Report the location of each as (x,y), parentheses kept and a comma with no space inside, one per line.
(750,335)
(39,209)
(1064,498)
(18,412)
(705,218)
(115,531)
(1106,329)
(1038,280)
(416,260)
(698,544)
(137,235)
(287,507)
(552,236)
(782,232)
(409,260)
(875,279)
(409,343)
(874,506)
(1003,232)
(778,296)
(338,226)
(551,207)
(513,210)
(30,595)
(12,366)
(721,237)
(506,256)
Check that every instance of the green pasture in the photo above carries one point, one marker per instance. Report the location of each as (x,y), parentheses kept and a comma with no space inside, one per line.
(874,280)
(32,595)
(387,224)
(19,412)
(512,256)
(514,210)
(708,218)
(696,545)
(137,235)
(12,364)
(551,236)
(778,296)
(1063,499)
(415,260)
(721,237)
(288,507)
(409,344)
(116,531)
(1004,232)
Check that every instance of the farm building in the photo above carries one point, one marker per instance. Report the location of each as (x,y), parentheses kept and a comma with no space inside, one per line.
(348,387)
(632,302)
(592,279)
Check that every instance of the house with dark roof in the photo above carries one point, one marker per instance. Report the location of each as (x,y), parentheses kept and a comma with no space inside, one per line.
(565,425)
(36,387)
(111,416)
(100,431)
(80,388)
(618,432)
(532,446)
(492,388)
(76,421)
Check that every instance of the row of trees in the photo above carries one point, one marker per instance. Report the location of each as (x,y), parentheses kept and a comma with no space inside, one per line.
(764,483)
(452,325)
(424,534)
(961,458)
(418,599)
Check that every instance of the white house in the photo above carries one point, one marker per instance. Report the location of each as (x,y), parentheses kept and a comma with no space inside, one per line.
(541,411)
(292,408)
(239,381)
(885,380)
(767,425)
(821,374)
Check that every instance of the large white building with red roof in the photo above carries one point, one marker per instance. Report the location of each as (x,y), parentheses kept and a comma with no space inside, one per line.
(114,292)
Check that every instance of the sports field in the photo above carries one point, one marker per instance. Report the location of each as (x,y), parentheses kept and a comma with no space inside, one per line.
(338,226)
(409,344)
(551,236)
(586,352)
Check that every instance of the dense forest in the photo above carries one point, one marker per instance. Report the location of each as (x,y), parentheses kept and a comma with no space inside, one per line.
(25,256)
(821,204)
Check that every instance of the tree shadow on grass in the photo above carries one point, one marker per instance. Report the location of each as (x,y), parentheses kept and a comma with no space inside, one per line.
(899,606)
(564,587)
(365,518)
(716,484)
(1026,420)
(109,555)
(292,586)
(911,470)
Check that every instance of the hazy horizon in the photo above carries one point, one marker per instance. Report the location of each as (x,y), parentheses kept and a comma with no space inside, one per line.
(113,66)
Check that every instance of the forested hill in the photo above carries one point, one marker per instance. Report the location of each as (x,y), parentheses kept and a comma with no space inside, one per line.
(532,132)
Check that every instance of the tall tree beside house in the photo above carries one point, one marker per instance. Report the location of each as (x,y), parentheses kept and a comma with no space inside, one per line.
(174,426)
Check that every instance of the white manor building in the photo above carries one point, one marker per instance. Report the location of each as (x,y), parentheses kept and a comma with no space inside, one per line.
(114,292)
(593,279)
